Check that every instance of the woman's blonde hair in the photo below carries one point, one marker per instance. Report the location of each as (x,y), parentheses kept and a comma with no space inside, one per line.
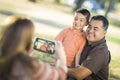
(16,35)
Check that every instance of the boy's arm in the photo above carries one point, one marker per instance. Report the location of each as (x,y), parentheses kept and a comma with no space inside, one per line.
(77,59)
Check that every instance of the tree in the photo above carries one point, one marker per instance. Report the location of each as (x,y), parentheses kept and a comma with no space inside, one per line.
(78,4)
(32,0)
(102,3)
(109,8)
(57,1)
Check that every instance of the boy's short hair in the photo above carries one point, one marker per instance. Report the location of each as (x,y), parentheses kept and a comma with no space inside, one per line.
(103,19)
(84,12)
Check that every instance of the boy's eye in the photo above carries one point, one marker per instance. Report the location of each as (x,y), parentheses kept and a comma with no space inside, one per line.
(81,20)
(96,29)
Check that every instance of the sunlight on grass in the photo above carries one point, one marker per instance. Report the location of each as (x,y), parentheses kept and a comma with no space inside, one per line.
(118,5)
(113,38)
(115,68)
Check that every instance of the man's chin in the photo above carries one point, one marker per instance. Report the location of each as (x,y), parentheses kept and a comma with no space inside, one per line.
(90,39)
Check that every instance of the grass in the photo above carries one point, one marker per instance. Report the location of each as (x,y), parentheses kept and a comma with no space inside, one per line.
(115,22)
(44,57)
(114,68)
(118,5)
(113,38)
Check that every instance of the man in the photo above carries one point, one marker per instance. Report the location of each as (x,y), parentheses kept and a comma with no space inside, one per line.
(94,61)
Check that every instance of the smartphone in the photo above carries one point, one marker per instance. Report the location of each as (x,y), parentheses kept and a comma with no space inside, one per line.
(44,50)
(44,45)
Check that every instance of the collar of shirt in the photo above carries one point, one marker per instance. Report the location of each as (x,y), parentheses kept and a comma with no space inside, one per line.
(97,43)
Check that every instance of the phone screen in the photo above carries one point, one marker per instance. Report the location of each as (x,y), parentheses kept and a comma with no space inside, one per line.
(44,51)
(45,46)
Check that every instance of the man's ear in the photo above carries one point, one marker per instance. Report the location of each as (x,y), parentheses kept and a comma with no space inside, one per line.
(105,32)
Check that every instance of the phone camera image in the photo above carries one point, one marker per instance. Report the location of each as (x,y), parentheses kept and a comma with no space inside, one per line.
(44,50)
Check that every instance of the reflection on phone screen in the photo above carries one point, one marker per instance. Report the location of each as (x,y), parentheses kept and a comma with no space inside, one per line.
(45,46)
(44,51)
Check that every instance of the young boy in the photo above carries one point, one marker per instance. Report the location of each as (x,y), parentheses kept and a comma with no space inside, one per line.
(73,39)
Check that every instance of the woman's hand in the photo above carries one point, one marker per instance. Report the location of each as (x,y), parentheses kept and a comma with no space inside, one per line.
(60,55)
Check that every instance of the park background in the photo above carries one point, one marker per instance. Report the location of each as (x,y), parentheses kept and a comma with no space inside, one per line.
(51,16)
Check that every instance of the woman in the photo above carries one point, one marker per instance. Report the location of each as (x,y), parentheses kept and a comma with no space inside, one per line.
(16,37)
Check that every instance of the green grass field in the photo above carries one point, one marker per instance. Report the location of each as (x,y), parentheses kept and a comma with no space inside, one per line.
(114,68)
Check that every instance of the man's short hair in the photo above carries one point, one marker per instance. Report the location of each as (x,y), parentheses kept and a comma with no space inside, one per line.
(84,12)
(103,19)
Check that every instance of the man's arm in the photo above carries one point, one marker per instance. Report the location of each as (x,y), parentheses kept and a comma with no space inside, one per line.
(79,73)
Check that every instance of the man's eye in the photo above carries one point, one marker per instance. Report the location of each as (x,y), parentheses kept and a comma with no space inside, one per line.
(81,20)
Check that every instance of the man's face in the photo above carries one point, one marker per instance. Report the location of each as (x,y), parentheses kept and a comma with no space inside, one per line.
(79,21)
(95,31)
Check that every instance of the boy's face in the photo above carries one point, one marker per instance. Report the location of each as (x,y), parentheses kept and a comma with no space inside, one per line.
(79,21)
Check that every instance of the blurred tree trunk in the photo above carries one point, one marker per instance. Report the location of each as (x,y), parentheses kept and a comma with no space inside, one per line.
(32,0)
(57,1)
(78,4)
(102,3)
(108,9)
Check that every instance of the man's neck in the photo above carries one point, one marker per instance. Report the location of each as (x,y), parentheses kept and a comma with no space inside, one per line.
(89,43)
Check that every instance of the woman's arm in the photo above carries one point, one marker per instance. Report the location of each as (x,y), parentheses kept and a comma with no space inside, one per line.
(47,72)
